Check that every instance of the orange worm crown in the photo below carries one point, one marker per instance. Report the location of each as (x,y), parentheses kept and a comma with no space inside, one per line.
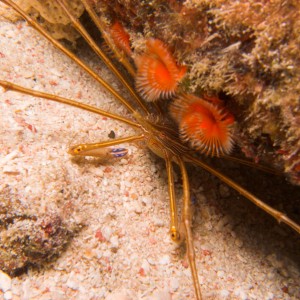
(120,37)
(205,125)
(158,75)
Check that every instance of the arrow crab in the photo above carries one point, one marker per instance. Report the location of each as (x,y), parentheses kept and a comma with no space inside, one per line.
(159,137)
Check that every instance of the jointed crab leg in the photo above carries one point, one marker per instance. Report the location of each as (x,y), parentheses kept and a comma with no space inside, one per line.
(187,220)
(122,59)
(69,54)
(173,208)
(252,165)
(92,149)
(13,87)
(279,216)
(78,26)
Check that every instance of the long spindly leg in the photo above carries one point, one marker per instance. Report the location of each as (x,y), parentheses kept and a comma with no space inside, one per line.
(174,230)
(101,27)
(79,62)
(279,216)
(96,149)
(101,150)
(122,58)
(13,87)
(78,26)
(187,220)
(186,216)
(252,165)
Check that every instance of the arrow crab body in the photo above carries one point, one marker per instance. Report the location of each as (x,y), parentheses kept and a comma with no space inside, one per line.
(164,142)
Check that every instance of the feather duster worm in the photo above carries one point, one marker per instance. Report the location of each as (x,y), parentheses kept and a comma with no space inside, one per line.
(158,75)
(205,125)
(121,38)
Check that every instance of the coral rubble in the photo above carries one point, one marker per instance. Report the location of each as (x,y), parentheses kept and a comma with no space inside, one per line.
(29,238)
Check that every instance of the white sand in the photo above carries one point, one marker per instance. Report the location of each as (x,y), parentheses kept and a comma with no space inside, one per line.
(126,201)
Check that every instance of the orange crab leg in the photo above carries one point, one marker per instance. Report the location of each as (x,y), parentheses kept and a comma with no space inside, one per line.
(187,220)
(93,149)
(279,216)
(122,59)
(17,88)
(78,26)
(59,46)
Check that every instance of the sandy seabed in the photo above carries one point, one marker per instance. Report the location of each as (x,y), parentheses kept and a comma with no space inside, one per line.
(123,250)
